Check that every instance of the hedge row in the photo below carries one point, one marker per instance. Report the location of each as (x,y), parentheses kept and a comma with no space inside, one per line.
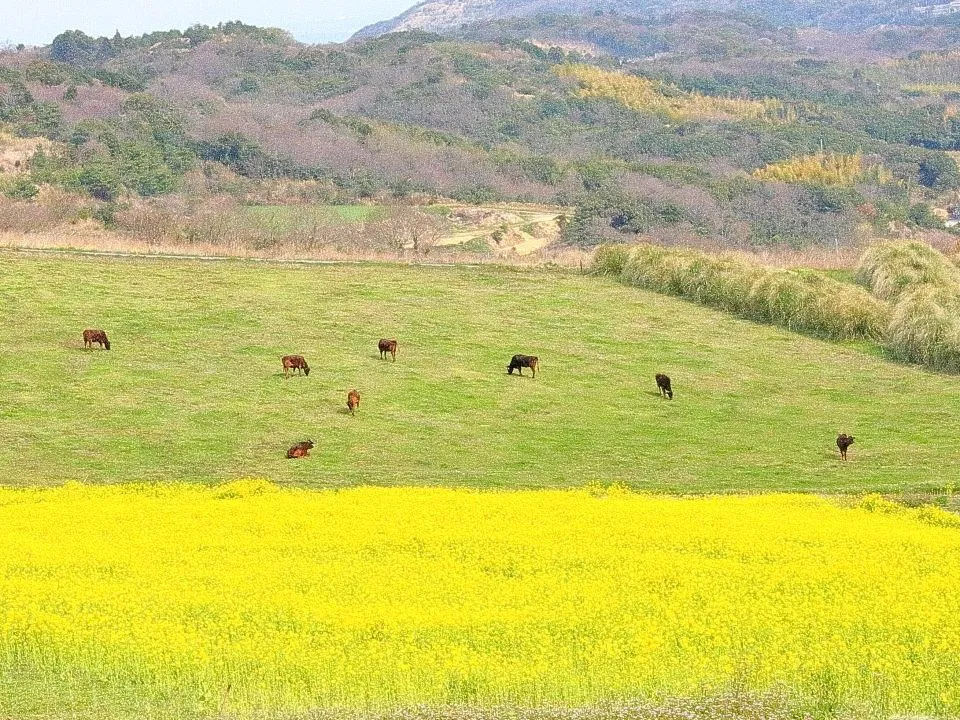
(924,287)
(795,299)
(912,307)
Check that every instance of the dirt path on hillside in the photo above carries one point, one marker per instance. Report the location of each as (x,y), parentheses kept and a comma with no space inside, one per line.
(508,229)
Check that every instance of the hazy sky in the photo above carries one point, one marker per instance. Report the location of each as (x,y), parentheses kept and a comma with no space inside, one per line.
(37,22)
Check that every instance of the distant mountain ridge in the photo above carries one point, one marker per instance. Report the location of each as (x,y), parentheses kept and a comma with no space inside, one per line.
(445,15)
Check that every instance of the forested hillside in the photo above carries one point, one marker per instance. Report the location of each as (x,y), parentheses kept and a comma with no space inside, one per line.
(699,127)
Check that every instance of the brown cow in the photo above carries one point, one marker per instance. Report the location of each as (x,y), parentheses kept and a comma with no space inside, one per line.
(95,336)
(843,442)
(518,362)
(387,346)
(663,384)
(353,401)
(295,363)
(300,450)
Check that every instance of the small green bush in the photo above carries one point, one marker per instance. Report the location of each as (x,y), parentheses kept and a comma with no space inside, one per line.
(22,189)
(609,260)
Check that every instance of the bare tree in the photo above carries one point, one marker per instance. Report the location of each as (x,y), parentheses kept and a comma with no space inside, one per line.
(404,228)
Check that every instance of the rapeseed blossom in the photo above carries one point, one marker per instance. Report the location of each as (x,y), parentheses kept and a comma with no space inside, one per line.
(184,600)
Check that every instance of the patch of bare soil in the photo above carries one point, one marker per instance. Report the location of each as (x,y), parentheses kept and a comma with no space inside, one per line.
(511,229)
(14,152)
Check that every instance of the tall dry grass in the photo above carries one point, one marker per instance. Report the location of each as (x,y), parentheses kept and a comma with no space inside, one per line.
(924,287)
(914,308)
(803,300)
(925,328)
(892,269)
(53,208)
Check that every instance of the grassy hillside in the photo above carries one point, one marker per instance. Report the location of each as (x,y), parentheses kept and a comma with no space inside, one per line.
(649,126)
(192,388)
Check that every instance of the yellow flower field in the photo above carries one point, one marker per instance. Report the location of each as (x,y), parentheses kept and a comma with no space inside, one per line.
(185,600)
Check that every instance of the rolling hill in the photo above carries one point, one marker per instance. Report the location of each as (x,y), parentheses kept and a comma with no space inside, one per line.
(698,127)
(446,15)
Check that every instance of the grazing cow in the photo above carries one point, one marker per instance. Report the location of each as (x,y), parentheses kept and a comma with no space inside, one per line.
(663,384)
(95,336)
(295,363)
(300,450)
(387,346)
(353,401)
(843,442)
(518,362)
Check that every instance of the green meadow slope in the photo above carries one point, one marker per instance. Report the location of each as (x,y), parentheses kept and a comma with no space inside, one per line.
(192,389)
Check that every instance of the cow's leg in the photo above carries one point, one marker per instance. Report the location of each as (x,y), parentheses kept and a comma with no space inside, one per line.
(393,353)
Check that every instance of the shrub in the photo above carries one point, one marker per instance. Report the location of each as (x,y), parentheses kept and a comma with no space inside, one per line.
(22,189)
(722,282)
(656,268)
(797,300)
(925,288)
(476,194)
(610,259)
(99,178)
(891,269)
(809,301)
(925,328)
(922,216)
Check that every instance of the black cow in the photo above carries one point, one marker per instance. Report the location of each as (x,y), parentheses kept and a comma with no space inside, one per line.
(843,442)
(663,384)
(518,362)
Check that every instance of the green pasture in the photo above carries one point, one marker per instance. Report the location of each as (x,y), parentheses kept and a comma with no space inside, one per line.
(193,388)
